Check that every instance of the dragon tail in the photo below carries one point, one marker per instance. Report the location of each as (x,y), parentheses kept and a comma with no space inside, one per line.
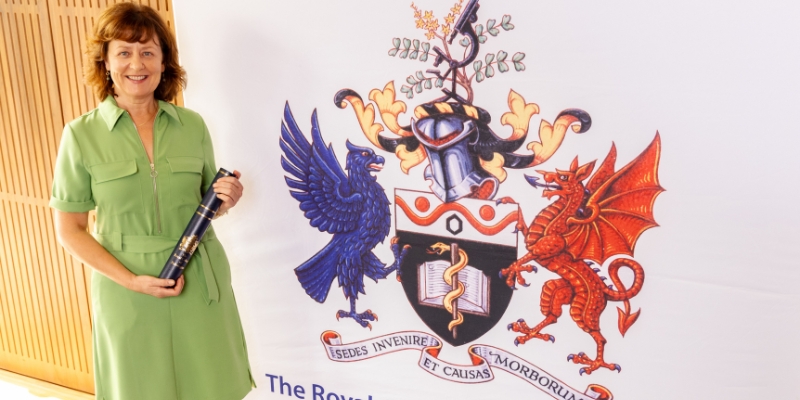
(626,318)
(613,272)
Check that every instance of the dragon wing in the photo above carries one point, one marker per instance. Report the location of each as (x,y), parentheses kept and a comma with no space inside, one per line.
(619,208)
(316,179)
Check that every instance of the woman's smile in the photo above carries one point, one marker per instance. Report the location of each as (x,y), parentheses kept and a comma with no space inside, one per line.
(135,68)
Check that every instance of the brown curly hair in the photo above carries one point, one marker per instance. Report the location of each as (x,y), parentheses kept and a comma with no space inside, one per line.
(131,22)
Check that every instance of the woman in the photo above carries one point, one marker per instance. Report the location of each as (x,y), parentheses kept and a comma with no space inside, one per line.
(143,164)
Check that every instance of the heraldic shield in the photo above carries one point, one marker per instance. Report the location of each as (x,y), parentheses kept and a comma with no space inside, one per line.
(457,249)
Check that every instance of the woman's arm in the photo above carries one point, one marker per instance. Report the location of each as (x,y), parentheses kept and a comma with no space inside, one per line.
(72,234)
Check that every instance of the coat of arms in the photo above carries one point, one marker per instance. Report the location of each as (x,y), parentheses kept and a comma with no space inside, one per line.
(457,240)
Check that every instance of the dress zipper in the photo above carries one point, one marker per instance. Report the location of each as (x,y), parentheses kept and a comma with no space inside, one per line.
(153,173)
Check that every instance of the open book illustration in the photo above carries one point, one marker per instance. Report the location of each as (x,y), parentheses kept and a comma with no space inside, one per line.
(433,288)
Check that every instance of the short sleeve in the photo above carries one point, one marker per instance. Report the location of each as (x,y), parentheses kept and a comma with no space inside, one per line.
(72,183)
(209,166)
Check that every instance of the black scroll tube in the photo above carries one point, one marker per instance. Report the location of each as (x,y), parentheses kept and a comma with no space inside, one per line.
(194,232)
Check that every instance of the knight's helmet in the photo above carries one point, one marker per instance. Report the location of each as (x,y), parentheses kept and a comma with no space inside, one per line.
(449,133)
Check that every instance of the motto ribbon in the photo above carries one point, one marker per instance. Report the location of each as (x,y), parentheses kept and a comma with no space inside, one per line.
(484,358)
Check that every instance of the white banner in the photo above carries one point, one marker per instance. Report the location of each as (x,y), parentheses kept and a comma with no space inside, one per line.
(602,203)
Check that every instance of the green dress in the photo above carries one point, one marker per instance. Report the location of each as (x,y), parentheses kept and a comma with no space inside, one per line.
(189,347)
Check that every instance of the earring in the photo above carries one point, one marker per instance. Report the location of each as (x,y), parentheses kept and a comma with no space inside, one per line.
(108,75)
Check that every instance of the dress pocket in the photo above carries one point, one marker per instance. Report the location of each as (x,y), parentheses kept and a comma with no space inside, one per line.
(186,180)
(115,188)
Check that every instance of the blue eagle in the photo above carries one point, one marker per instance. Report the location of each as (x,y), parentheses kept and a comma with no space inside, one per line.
(351,206)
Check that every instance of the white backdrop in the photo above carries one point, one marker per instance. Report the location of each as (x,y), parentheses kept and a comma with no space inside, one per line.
(718,80)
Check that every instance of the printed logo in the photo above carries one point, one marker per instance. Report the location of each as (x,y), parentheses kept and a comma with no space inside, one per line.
(456,245)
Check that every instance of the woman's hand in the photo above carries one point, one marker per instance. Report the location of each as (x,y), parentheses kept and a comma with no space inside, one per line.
(156,287)
(72,234)
(229,189)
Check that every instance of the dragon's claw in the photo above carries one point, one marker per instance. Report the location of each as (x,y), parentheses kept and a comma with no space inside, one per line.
(579,358)
(519,326)
(513,274)
(591,365)
(528,333)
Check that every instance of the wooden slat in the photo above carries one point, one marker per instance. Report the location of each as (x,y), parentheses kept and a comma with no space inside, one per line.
(13,339)
(7,109)
(9,61)
(48,287)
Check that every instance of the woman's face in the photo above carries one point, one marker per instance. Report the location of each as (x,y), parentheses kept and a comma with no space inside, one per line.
(135,68)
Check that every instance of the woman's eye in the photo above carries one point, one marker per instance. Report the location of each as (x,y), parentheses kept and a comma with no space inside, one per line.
(123,53)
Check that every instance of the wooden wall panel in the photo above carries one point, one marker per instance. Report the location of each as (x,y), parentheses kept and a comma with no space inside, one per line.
(45,314)
(45,332)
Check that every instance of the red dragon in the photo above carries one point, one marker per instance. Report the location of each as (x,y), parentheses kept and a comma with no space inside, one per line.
(588,224)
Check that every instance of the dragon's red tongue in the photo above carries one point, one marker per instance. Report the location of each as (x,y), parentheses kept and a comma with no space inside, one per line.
(375,166)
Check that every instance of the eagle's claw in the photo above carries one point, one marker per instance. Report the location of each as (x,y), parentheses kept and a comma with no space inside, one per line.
(361,318)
